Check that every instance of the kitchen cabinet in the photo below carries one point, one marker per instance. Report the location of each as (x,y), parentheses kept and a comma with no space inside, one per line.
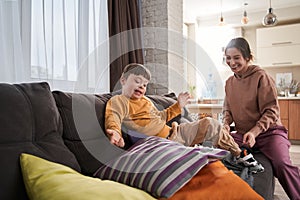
(290,117)
(294,117)
(284,112)
(278,46)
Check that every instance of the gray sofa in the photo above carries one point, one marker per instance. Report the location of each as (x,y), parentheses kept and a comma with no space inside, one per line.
(66,128)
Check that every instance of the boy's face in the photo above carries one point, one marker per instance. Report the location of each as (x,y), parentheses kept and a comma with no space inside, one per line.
(134,86)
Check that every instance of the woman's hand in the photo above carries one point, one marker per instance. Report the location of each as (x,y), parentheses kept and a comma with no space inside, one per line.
(249,139)
(183,98)
(115,138)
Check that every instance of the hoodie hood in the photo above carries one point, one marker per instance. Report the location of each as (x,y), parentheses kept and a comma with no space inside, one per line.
(251,70)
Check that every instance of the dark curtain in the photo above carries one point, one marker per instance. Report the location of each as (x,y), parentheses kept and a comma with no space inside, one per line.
(125,40)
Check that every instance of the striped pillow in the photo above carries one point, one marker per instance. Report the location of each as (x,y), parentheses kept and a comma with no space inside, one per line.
(159,166)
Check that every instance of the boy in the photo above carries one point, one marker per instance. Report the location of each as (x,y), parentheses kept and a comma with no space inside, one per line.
(136,112)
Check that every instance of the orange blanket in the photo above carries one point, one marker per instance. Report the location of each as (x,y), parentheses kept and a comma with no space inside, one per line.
(215,182)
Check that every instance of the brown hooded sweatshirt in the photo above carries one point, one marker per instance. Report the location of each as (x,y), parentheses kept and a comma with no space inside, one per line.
(251,102)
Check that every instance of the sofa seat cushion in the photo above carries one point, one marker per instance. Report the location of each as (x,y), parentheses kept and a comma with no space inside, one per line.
(48,180)
(30,123)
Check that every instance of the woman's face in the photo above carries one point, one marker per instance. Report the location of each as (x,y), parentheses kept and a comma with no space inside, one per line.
(235,60)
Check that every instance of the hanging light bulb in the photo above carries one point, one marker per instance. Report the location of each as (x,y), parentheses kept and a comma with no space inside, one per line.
(221,22)
(245,18)
(270,19)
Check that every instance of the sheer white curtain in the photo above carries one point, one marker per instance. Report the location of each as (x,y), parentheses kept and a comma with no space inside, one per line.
(12,68)
(63,42)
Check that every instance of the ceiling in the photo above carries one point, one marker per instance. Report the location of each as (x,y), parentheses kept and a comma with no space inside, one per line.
(202,10)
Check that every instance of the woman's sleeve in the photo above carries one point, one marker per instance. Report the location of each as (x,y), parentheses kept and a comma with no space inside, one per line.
(268,105)
(227,117)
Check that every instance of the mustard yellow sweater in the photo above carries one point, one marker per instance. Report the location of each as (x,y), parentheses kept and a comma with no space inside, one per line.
(139,115)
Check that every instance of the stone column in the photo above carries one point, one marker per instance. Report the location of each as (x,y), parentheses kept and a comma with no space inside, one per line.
(163,42)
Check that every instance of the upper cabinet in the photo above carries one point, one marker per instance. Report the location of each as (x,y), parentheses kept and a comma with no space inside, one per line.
(278,46)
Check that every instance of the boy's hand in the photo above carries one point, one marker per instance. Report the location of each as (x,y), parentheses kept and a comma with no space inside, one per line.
(115,138)
(183,98)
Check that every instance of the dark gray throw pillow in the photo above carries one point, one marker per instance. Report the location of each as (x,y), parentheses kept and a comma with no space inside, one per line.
(29,123)
(83,120)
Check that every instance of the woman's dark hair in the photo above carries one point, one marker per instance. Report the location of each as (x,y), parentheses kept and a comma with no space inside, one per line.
(136,69)
(242,45)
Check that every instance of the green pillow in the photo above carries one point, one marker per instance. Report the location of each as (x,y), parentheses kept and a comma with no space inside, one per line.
(48,180)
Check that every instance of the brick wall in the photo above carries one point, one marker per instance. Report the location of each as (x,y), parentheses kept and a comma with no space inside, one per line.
(162,28)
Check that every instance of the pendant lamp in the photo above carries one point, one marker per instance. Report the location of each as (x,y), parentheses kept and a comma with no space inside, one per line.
(221,22)
(270,19)
(245,18)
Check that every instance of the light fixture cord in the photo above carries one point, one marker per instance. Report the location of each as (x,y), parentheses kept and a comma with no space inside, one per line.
(221,9)
(245,5)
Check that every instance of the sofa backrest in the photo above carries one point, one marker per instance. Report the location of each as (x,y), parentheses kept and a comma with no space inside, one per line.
(83,118)
(29,123)
(58,126)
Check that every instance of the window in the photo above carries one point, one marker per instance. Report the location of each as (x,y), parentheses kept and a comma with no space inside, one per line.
(53,39)
(65,37)
(212,69)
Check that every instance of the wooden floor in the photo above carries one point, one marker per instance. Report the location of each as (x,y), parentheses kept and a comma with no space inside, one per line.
(279,193)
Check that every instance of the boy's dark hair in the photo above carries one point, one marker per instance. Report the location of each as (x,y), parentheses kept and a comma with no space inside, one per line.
(136,69)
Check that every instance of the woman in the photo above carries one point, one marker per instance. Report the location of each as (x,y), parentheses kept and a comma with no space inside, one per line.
(251,103)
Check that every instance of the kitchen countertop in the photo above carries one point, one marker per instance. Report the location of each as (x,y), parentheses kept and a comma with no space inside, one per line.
(204,108)
(289,98)
(194,107)
(218,101)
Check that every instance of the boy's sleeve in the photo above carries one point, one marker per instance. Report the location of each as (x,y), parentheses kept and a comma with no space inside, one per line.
(114,114)
(172,111)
